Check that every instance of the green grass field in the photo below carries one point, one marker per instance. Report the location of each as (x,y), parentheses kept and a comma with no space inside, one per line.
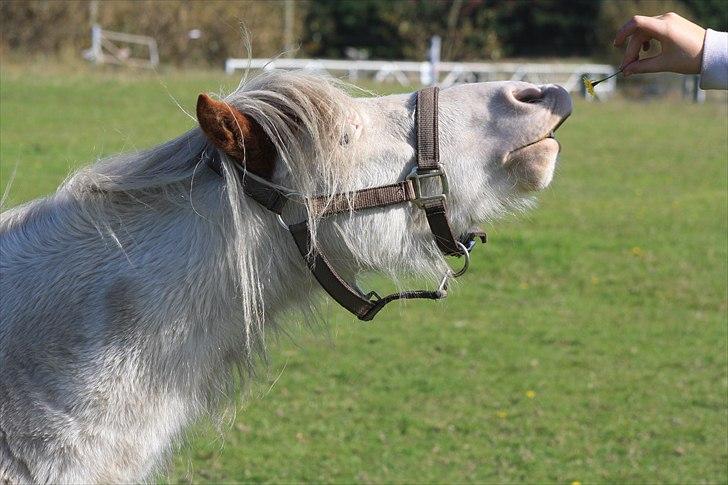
(588,343)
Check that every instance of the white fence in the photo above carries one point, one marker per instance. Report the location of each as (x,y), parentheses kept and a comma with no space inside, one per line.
(443,73)
(108,47)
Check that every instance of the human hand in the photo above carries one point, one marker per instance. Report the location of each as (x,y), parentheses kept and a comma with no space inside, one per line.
(681,44)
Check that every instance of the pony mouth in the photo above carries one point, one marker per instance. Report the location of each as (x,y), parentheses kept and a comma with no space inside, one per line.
(548,136)
(551,134)
(532,166)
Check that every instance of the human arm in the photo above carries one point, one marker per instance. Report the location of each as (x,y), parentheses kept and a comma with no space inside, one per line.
(686,48)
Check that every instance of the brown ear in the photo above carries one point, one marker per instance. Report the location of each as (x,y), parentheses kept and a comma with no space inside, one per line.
(239,136)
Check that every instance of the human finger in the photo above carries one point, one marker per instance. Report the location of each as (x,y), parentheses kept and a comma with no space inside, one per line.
(635,44)
(649,25)
(643,66)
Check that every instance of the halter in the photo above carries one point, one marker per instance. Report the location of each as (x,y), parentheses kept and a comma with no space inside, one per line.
(365,306)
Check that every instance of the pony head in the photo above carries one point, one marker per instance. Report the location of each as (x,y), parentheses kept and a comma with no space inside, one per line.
(304,132)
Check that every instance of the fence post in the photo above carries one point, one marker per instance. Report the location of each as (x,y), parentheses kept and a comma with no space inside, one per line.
(698,94)
(288,19)
(691,89)
(434,58)
(96,51)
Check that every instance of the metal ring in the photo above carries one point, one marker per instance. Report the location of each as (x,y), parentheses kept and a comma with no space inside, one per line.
(466,254)
(283,223)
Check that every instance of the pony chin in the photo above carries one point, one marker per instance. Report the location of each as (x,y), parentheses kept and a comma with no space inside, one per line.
(533,165)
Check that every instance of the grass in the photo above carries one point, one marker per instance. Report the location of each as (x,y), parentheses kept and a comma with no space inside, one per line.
(587,344)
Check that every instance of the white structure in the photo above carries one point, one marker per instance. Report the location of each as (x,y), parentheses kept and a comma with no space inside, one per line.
(109,47)
(444,73)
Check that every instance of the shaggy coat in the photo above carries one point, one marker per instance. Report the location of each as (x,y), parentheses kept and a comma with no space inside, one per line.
(130,295)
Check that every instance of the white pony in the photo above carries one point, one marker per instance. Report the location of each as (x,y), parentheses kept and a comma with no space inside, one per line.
(130,295)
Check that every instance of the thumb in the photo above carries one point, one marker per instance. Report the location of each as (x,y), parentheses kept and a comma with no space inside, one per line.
(643,66)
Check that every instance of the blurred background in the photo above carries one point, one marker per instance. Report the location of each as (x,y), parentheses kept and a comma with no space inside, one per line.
(205,34)
(471,30)
(589,341)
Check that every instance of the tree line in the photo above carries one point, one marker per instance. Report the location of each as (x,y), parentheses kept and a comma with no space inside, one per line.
(377,29)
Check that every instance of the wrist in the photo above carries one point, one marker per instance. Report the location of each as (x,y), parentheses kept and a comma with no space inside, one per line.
(698,67)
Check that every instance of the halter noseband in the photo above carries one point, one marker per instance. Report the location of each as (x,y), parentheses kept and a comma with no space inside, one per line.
(365,306)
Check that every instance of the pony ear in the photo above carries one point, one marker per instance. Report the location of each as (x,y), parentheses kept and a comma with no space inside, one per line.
(239,136)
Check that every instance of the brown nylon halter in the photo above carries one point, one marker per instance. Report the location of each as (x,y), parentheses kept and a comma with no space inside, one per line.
(366,306)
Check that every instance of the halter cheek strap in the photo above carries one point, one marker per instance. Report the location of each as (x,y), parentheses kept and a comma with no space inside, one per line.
(366,306)
(428,166)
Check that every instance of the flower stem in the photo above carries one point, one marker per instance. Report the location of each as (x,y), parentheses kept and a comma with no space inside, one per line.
(594,83)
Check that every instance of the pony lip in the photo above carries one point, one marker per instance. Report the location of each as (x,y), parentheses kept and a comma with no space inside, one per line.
(550,134)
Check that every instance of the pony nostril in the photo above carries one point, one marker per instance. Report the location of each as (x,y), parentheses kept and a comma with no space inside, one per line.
(529,95)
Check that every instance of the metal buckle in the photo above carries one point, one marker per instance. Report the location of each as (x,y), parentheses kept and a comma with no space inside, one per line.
(416,175)
(442,287)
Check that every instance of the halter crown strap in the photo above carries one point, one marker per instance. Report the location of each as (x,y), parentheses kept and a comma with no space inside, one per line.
(428,136)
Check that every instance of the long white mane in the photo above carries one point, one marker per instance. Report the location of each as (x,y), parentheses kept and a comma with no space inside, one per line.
(303,114)
(164,210)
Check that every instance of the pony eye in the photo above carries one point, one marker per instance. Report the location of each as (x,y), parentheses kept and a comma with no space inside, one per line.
(344,139)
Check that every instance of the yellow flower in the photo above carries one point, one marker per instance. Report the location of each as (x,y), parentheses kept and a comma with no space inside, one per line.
(576,482)
(530,394)
(637,251)
(502,414)
(589,85)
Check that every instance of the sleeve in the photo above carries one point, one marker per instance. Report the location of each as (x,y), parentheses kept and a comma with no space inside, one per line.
(714,72)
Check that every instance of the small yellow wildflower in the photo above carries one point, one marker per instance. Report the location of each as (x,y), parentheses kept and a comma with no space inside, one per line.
(637,251)
(576,482)
(589,85)
(502,414)
(530,394)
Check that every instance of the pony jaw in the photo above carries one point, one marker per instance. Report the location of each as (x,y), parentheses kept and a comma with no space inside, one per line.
(533,165)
